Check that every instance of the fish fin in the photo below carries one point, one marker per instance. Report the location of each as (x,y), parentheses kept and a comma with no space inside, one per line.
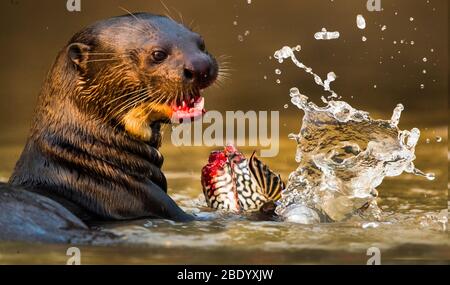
(270,183)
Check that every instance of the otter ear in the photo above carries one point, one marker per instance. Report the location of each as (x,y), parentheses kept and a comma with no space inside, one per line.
(78,54)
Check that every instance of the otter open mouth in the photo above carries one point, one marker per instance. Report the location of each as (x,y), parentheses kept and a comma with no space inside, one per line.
(188,108)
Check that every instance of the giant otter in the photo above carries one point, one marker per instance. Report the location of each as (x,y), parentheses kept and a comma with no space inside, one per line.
(93,145)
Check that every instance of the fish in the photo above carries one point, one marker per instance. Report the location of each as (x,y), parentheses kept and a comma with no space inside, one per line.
(233,183)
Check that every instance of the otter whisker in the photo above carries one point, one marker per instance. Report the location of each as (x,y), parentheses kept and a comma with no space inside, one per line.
(150,26)
(129,27)
(128,103)
(134,27)
(190,25)
(99,53)
(179,15)
(127,94)
(132,101)
(218,84)
(220,80)
(155,102)
(168,11)
(222,74)
(149,107)
(103,59)
(224,64)
(224,56)
(226,71)
(131,105)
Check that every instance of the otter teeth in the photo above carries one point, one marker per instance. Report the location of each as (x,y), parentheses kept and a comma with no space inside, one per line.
(199,105)
(189,108)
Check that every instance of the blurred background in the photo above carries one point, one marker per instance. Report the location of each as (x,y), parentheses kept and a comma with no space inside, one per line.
(406,61)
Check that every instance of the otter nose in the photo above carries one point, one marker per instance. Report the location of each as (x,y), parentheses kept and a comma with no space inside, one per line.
(199,72)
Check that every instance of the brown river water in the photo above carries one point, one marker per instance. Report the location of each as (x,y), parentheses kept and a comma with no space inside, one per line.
(412,232)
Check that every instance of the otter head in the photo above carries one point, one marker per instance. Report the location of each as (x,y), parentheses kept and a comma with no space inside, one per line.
(141,68)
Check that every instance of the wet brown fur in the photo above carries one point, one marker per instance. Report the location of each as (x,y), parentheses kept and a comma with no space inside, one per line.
(89,148)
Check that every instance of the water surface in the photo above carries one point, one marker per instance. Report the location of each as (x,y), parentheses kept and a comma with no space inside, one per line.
(412,232)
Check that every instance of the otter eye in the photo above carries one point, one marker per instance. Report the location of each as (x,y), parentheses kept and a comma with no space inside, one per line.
(159,56)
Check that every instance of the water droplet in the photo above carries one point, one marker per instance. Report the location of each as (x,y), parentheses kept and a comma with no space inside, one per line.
(432,50)
(265,77)
(360,22)
(364,39)
(298,48)
(325,35)
(425,59)
(247,33)
(412,43)
(422,86)
(277,71)
(427,141)
(395,42)
(383,28)
(240,38)
(286,106)
(411,19)
(375,86)
(235,23)
(278,81)
(395,119)
(413,137)
(438,139)
(430,176)
(294,92)
(284,53)
(424,71)
(249,1)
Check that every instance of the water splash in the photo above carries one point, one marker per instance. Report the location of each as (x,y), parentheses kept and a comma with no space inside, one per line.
(326,35)
(288,52)
(343,155)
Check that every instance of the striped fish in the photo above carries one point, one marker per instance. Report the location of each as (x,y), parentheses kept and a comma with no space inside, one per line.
(231,182)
